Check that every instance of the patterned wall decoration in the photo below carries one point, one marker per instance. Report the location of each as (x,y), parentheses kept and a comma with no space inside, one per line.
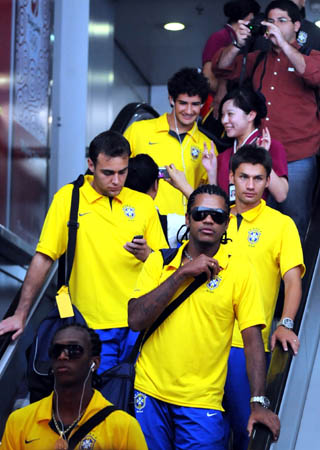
(32,59)
(30,127)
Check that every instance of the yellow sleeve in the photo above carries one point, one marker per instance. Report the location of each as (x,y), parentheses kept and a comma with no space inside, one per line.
(248,304)
(291,254)
(135,437)
(54,235)
(149,277)
(8,438)
(125,432)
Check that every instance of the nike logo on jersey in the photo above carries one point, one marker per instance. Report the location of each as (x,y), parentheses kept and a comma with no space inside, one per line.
(152,143)
(83,214)
(211,414)
(31,440)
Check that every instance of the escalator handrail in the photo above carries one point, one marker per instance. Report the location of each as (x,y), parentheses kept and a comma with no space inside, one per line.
(281,361)
(126,114)
(7,346)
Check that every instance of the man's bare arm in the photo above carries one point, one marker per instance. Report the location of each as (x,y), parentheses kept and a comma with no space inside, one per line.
(292,297)
(207,72)
(143,311)
(35,278)
(230,53)
(256,370)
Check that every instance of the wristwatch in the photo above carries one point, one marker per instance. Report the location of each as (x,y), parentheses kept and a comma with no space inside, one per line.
(236,44)
(264,401)
(286,322)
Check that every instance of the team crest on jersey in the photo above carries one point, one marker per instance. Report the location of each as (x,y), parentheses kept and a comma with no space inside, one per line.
(253,237)
(87,443)
(213,284)
(195,152)
(139,401)
(129,212)
(302,37)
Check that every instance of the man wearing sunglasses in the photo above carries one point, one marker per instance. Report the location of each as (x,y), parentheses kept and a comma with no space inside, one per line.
(271,241)
(51,422)
(288,76)
(181,369)
(117,228)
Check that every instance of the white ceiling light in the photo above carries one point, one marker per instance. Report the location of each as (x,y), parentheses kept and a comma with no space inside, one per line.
(318,23)
(174,26)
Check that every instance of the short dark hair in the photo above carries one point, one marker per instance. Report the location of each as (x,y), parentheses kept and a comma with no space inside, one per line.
(110,143)
(94,338)
(248,100)
(253,155)
(188,81)
(142,173)
(210,189)
(239,9)
(285,5)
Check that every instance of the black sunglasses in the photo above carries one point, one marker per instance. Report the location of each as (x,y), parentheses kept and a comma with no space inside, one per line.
(72,351)
(218,215)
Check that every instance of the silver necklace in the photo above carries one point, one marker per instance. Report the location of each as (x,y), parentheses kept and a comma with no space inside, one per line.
(187,255)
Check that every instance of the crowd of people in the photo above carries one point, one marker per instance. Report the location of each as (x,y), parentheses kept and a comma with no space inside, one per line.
(236,208)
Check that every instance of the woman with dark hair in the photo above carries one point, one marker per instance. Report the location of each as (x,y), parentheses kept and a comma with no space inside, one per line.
(241,112)
(234,10)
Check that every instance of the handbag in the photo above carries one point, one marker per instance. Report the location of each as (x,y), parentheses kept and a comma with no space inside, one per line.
(117,383)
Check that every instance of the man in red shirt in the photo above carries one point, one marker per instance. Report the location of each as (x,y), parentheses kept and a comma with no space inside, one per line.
(287,78)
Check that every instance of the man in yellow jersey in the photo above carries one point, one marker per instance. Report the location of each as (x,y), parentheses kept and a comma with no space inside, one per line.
(108,257)
(271,241)
(182,367)
(52,422)
(174,138)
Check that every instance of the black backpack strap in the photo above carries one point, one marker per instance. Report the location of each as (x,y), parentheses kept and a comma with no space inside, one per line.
(197,282)
(164,224)
(73,226)
(89,425)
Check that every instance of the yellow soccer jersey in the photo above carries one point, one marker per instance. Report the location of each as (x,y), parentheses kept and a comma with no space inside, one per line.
(28,428)
(184,362)
(103,273)
(271,241)
(152,137)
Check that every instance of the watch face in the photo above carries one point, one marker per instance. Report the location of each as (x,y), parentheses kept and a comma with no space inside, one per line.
(288,323)
(266,402)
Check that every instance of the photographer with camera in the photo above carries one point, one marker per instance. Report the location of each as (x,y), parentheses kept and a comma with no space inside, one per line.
(288,79)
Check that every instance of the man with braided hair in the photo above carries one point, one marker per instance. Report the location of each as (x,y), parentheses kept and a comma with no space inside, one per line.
(51,422)
(182,367)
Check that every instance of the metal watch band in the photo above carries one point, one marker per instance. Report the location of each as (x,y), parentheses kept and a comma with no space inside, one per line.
(286,322)
(264,401)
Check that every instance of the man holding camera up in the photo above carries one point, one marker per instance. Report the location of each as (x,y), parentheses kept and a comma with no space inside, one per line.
(288,79)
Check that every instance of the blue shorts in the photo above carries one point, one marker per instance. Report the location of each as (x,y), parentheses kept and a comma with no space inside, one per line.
(171,427)
(117,344)
(236,399)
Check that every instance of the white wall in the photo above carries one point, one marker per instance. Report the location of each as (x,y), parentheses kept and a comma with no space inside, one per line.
(159,99)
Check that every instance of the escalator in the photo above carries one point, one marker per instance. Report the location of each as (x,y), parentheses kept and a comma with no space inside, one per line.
(293,383)
(15,257)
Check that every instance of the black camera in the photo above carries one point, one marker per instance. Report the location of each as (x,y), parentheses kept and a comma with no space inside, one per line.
(255,25)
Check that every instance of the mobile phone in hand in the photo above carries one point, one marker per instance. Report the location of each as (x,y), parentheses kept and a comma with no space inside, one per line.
(138,236)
